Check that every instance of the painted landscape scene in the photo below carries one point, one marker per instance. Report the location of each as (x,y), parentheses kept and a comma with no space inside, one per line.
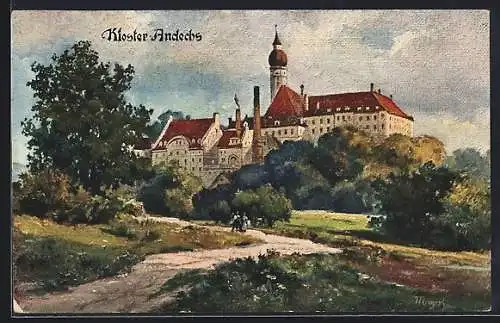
(227,162)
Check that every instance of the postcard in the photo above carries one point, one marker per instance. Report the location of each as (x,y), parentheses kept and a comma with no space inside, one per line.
(250,161)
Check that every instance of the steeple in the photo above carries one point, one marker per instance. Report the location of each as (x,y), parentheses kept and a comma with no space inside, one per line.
(276,41)
(277,65)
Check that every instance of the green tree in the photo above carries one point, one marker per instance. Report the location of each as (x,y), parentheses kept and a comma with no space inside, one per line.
(341,154)
(413,201)
(81,121)
(170,192)
(472,162)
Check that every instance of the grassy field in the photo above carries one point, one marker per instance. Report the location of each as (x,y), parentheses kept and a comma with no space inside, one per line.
(58,255)
(456,275)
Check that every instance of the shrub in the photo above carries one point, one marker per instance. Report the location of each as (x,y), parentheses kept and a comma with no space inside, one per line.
(97,209)
(264,202)
(42,192)
(170,192)
(466,221)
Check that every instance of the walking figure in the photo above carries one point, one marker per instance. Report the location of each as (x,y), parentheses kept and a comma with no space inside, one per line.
(244,223)
(235,222)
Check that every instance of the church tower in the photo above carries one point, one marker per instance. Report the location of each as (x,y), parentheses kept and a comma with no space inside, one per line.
(277,61)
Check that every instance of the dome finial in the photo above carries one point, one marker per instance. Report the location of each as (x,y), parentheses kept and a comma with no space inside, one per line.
(276,38)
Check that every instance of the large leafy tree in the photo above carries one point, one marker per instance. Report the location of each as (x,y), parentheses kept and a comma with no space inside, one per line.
(82,124)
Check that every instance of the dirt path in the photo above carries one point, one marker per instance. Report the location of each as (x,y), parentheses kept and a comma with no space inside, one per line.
(131,293)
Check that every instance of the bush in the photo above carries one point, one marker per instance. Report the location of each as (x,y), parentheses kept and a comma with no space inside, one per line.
(466,221)
(170,192)
(42,192)
(97,209)
(265,203)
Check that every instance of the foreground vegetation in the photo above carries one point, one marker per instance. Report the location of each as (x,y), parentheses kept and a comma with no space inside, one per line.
(304,283)
(462,278)
(56,256)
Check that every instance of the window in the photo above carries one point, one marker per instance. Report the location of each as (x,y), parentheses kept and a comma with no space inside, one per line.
(338,109)
(200,160)
(321,121)
(367,118)
(328,129)
(192,159)
(223,159)
(177,152)
(374,117)
(313,122)
(382,126)
(367,127)
(286,132)
(199,169)
(328,120)
(338,118)
(273,132)
(313,131)
(360,118)
(279,132)
(349,117)
(185,161)
(343,118)
(192,169)
(374,127)
(359,108)
(320,130)
(291,131)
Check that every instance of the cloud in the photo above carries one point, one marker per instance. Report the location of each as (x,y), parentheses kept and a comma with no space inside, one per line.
(435,62)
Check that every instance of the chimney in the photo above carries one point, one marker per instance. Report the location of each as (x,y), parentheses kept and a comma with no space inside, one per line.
(256,144)
(302,89)
(230,121)
(379,92)
(238,122)
(371,87)
(216,119)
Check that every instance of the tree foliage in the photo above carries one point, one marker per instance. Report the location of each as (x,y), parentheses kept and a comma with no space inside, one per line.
(82,124)
(471,162)
(170,192)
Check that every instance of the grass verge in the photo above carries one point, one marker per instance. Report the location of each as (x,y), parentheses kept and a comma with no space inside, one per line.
(56,256)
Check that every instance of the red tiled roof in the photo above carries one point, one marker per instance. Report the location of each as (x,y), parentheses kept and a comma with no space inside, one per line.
(191,129)
(390,106)
(287,102)
(226,136)
(352,102)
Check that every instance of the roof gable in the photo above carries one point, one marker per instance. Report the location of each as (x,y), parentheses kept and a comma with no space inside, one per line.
(286,102)
(191,129)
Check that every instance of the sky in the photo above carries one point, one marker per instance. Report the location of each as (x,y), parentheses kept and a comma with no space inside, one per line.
(435,63)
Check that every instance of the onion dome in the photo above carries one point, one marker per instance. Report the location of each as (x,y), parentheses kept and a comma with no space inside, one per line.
(278,56)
